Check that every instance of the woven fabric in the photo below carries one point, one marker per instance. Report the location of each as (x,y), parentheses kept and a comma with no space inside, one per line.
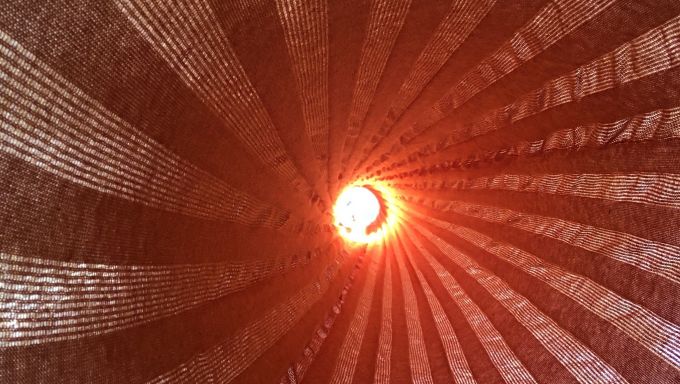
(168,171)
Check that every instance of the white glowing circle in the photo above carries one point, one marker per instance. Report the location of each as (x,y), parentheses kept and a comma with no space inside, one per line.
(355,209)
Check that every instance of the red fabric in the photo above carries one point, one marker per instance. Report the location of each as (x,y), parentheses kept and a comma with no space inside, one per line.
(168,172)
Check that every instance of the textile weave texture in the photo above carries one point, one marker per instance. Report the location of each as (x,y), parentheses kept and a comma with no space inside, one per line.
(168,171)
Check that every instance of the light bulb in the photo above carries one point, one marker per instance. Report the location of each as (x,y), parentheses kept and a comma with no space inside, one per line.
(355,210)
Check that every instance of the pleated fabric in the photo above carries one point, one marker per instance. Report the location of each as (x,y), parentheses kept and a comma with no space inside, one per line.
(168,171)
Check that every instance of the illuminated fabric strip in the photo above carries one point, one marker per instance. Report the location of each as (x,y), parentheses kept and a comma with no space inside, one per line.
(503,358)
(454,353)
(658,335)
(417,352)
(461,19)
(385,22)
(580,361)
(661,189)
(383,355)
(656,51)
(644,188)
(297,370)
(305,24)
(241,12)
(187,35)
(343,373)
(74,300)
(555,21)
(658,125)
(663,124)
(232,356)
(658,258)
(52,125)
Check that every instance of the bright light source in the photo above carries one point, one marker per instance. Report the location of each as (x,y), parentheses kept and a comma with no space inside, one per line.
(355,210)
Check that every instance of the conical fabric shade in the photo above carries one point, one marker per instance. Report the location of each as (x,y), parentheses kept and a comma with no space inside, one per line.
(170,174)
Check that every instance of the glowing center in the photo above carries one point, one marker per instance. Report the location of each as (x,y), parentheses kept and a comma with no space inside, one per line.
(356,209)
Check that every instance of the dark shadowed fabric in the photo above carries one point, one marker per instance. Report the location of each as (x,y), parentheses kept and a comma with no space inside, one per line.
(168,171)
